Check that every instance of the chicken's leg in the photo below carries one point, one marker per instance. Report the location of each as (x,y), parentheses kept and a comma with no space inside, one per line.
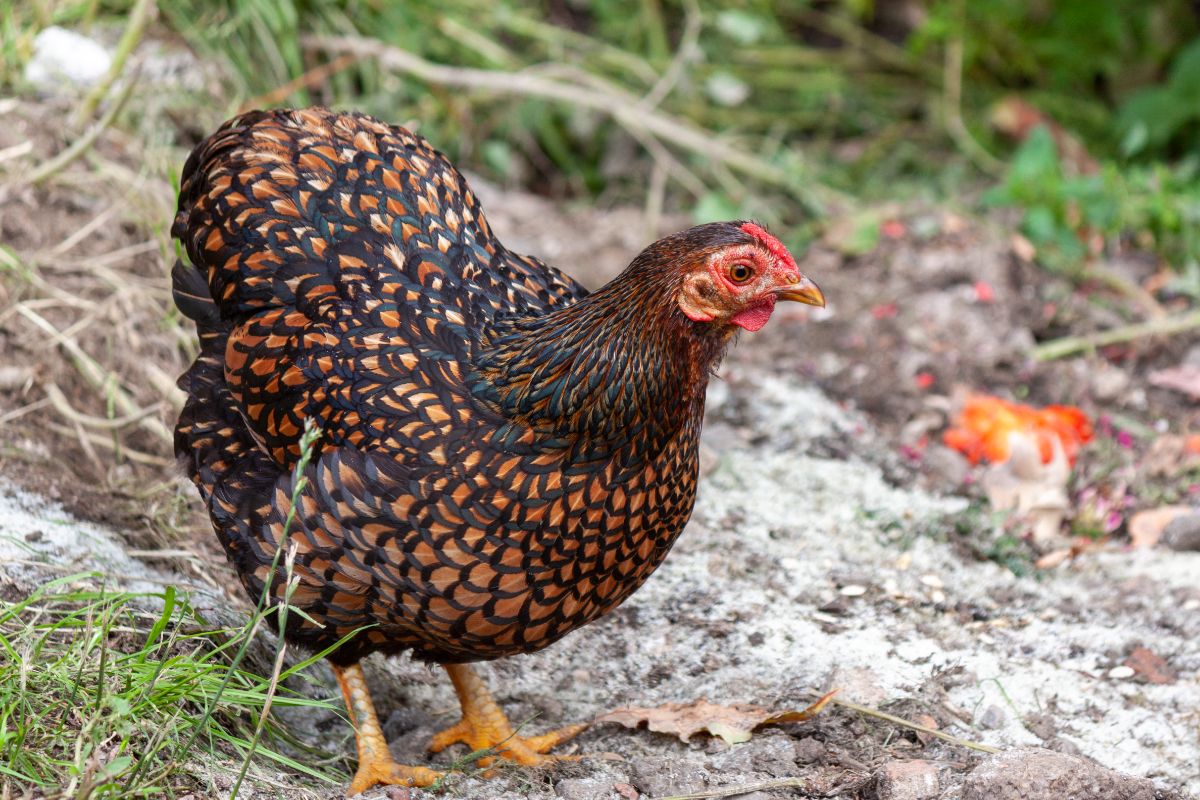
(375,764)
(484,725)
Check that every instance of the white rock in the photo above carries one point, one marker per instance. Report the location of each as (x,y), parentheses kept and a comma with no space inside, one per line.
(62,56)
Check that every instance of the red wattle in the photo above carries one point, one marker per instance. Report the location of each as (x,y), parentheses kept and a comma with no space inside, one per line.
(754,317)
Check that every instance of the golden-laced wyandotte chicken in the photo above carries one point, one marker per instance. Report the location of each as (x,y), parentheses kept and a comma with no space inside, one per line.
(503,456)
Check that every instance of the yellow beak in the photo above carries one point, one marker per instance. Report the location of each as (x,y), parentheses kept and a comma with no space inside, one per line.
(805,292)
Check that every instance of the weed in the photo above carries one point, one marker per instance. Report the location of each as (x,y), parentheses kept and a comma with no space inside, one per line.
(103,692)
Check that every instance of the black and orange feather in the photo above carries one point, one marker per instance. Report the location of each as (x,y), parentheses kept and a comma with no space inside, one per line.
(503,457)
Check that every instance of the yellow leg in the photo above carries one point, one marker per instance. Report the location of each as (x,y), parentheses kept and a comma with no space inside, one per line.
(484,725)
(375,763)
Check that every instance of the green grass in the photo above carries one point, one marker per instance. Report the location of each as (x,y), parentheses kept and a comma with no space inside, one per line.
(840,104)
(101,695)
(118,694)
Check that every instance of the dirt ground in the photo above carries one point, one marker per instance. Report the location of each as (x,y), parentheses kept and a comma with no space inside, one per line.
(835,543)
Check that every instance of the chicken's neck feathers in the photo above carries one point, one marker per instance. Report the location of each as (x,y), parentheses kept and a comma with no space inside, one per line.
(617,374)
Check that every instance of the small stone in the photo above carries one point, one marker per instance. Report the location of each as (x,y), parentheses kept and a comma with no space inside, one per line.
(932,581)
(809,750)
(1036,774)
(61,56)
(1108,382)
(1183,533)
(992,717)
(666,776)
(585,789)
(948,466)
(906,780)
(1122,673)
(14,377)
(853,590)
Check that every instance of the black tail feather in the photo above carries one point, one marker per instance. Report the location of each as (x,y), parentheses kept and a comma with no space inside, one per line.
(192,296)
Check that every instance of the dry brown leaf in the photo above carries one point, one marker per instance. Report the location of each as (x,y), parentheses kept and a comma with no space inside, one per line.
(929,722)
(1184,378)
(734,724)
(626,790)
(1146,527)
(1053,558)
(1150,666)
(1036,491)
(1169,455)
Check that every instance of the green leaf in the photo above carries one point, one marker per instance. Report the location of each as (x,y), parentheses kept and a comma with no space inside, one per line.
(715,207)
(741,26)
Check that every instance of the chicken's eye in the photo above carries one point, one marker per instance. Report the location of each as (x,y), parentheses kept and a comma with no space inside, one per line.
(740,273)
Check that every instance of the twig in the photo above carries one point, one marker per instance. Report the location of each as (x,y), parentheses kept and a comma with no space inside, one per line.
(1123,285)
(760,786)
(107,443)
(952,93)
(17,413)
(313,77)
(1069,345)
(685,52)
(129,38)
(916,726)
(612,100)
(63,406)
(81,145)
(95,374)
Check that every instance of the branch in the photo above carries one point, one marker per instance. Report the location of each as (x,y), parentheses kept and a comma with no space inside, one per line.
(132,34)
(600,96)
(1069,345)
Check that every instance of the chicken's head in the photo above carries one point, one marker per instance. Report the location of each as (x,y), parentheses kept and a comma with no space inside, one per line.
(738,271)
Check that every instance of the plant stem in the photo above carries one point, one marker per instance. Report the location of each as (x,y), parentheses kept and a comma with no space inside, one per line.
(129,38)
(597,95)
(1069,345)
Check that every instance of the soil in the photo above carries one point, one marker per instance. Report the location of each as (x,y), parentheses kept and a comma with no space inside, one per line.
(835,543)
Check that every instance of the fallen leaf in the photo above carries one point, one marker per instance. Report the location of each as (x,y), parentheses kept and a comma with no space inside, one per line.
(1035,490)
(1184,378)
(1023,248)
(986,428)
(928,722)
(1150,666)
(1016,117)
(1053,558)
(627,791)
(735,724)
(1146,527)
(1169,455)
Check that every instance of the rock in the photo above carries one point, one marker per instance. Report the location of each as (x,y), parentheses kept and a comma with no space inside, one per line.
(1108,382)
(906,780)
(1183,533)
(585,789)
(1036,774)
(665,776)
(809,750)
(992,718)
(62,56)
(947,465)
(774,755)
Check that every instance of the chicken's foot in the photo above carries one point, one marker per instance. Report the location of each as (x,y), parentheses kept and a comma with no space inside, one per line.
(375,763)
(484,725)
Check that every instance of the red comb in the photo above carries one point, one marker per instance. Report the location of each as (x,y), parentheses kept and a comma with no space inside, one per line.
(771,243)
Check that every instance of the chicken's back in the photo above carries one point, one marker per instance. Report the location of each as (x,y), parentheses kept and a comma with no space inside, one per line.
(341,253)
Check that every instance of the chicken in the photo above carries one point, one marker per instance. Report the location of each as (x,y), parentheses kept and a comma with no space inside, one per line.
(503,456)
